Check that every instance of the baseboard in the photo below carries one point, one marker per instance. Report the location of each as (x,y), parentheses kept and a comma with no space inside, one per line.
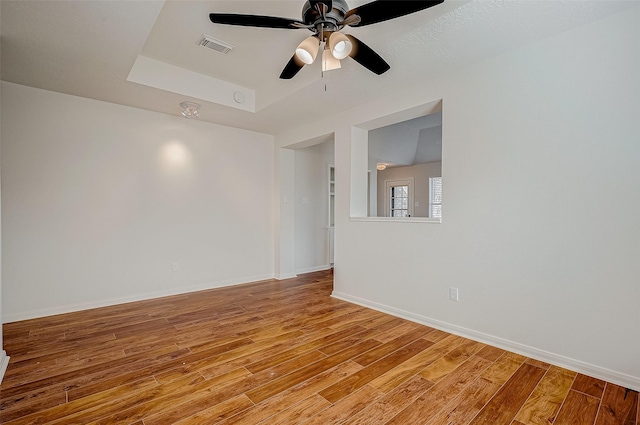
(608,375)
(284,276)
(4,362)
(314,269)
(26,315)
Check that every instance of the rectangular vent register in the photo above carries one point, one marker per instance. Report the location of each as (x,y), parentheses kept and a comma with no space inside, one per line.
(215,44)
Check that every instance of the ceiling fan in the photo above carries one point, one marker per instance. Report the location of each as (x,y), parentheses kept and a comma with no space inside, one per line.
(325,19)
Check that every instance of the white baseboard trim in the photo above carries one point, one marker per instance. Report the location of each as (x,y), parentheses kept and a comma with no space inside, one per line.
(33,314)
(4,362)
(284,276)
(314,269)
(622,379)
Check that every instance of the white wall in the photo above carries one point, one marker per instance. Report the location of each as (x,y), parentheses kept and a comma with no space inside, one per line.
(312,207)
(99,200)
(541,213)
(284,232)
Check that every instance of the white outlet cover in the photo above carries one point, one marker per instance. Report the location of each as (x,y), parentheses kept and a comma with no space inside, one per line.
(453,294)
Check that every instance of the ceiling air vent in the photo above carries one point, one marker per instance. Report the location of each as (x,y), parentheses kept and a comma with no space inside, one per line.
(213,44)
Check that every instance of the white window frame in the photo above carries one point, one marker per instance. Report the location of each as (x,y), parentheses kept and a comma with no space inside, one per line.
(388,184)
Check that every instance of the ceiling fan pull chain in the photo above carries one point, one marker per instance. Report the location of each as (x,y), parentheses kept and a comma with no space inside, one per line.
(322,72)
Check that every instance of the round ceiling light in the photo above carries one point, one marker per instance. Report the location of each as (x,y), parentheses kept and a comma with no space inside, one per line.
(190,109)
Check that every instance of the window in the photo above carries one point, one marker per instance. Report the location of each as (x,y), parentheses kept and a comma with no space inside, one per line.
(399,201)
(399,198)
(435,197)
(332,196)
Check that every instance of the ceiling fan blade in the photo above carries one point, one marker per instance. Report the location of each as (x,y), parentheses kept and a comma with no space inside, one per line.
(292,68)
(366,57)
(255,21)
(383,10)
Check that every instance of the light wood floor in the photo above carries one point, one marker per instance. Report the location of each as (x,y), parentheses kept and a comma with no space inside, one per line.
(281,353)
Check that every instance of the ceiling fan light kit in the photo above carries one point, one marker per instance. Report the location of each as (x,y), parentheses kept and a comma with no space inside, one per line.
(308,49)
(340,45)
(329,62)
(325,19)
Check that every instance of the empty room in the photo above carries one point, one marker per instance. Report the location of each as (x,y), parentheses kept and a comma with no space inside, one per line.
(320,212)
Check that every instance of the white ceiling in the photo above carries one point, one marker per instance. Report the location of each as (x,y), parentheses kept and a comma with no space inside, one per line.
(411,142)
(88,48)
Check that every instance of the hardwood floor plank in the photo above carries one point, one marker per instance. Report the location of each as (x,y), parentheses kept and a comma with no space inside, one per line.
(544,403)
(28,404)
(387,406)
(210,393)
(300,412)
(504,367)
(490,353)
(281,384)
(13,397)
(504,406)
(467,404)
(400,328)
(578,408)
(588,385)
(293,395)
(441,394)
(316,344)
(346,407)
(374,370)
(99,381)
(407,369)
(354,318)
(219,411)
(384,322)
(45,349)
(400,341)
(267,352)
(91,325)
(437,335)
(223,362)
(619,406)
(66,413)
(450,361)
(538,363)
(149,409)
(73,378)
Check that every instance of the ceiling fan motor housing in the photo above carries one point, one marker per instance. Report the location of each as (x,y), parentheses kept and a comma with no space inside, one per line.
(336,10)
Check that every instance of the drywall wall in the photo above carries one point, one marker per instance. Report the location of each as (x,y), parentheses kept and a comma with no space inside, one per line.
(312,207)
(101,203)
(420,173)
(541,213)
(284,225)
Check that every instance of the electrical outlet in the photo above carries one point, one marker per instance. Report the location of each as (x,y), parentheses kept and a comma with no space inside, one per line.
(175,267)
(453,294)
